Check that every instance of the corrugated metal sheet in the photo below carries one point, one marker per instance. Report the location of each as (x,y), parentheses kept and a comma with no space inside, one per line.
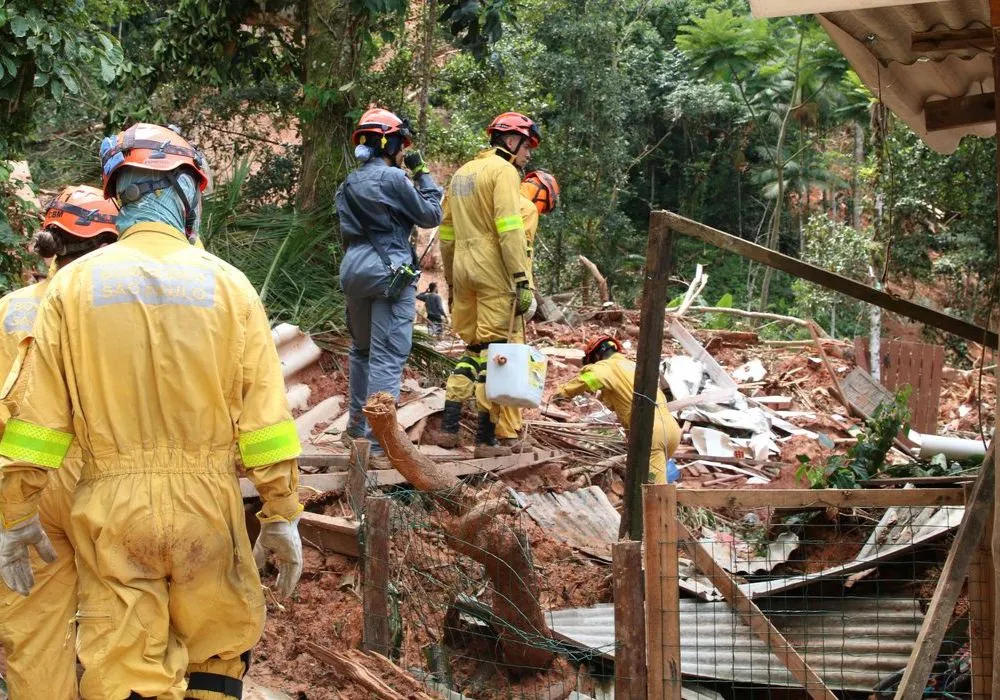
(584,519)
(877,44)
(852,643)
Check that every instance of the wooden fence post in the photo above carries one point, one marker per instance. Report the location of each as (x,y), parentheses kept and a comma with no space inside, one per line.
(981,611)
(663,595)
(375,592)
(647,373)
(357,476)
(630,620)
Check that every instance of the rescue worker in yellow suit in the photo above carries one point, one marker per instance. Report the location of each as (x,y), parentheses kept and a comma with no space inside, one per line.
(487,269)
(158,359)
(608,371)
(539,195)
(38,631)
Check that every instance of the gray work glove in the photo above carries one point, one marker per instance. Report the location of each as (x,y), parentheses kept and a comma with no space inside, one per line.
(523,298)
(281,538)
(15,565)
(530,313)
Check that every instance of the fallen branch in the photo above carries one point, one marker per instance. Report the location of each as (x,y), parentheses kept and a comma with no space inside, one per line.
(476,530)
(750,314)
(349,665)
(616,462)
(602,284)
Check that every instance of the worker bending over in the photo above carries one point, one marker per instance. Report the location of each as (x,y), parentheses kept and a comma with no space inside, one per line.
(158,359)
(608,371)
(37,631)
(538,194)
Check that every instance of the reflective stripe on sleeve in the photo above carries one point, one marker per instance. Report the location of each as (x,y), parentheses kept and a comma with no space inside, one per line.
(591,380)
(446,233)
(35,444)
(509,223)
(274,443)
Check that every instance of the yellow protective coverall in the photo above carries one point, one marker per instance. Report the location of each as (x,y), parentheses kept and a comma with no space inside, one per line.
(461,384)
(488,257)
(158,358)
(614,377)
(38,632)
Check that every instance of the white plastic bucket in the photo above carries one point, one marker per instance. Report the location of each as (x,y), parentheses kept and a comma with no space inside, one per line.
(515,374)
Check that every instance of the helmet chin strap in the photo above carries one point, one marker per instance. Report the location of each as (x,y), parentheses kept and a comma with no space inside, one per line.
(190,215)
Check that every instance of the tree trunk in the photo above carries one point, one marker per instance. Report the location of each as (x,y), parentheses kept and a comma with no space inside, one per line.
(779,166)
(426,65)
(476,528)
(874,312)
(333,57)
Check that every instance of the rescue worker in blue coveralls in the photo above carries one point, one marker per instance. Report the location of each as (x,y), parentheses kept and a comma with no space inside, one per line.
(378,205)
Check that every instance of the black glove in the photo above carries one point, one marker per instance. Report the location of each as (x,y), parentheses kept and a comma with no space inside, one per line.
(415,162)
(524,298)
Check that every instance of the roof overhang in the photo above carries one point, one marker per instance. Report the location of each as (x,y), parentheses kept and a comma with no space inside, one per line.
(931,63)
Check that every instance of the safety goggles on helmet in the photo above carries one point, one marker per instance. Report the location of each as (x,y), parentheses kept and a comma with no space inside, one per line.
(82,211)
(542,189)
(516,123)
(380,125)
(598,346)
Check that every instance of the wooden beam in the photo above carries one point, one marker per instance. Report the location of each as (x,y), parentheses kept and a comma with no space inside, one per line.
(981,611)
(949,585)
(828,280)
(751,615)
(358,478)
(995,539)
(818,498)
(630,620)
(976,38)
(663,603)
(336,481)
(789,8)
(330,533)
(647,374)
(375,591)
(958,111)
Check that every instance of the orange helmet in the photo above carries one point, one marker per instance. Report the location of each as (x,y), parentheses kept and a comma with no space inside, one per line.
(540,187)
(150,147)
(382,122)
(597,345)
(83,212)
(516,123)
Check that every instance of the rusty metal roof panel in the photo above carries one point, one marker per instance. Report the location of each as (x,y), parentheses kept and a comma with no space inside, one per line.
(852,643)
(584,519)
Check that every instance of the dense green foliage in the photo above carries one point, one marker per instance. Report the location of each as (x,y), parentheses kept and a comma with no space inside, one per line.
(689,105)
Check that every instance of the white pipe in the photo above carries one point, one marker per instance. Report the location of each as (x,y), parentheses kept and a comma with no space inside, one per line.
(950,447)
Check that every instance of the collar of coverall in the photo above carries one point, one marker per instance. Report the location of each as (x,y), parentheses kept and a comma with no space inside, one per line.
(153,227)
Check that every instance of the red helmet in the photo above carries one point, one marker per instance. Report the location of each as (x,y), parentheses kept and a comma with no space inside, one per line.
(83,212)
(541,187)
(150,147)
(382,122)
(516,123)
(597,344)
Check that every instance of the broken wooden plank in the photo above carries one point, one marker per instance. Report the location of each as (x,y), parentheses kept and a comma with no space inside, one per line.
(828,280)
(949,585)
(336,481)
(820,498)
(752,616)
(330,533)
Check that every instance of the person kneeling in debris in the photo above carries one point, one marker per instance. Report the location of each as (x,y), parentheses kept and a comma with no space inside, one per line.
(607,370)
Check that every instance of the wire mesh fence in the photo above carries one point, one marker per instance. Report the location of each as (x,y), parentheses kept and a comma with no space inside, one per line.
(469,580)
(795,595)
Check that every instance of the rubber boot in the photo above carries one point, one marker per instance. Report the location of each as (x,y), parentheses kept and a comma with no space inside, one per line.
(449,424)
(486,441)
